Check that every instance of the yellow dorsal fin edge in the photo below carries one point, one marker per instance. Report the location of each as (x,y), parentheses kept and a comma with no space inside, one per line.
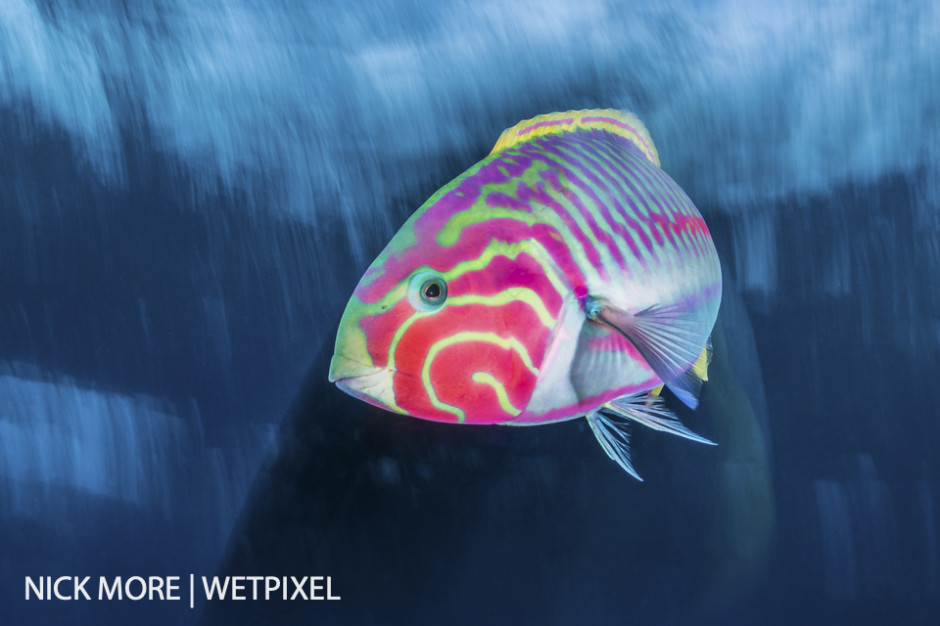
(621,123)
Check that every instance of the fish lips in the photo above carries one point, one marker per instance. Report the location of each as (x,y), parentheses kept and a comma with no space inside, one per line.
(369,383)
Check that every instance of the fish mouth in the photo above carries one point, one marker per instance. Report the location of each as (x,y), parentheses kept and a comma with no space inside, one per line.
(369,383)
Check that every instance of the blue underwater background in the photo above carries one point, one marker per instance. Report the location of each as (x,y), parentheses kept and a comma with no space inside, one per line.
(189,191)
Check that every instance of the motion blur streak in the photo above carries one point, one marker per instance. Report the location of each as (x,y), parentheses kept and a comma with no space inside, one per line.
(68,443)
(781,99)
(288,104)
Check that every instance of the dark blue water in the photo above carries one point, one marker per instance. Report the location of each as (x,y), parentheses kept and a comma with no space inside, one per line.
(189,192)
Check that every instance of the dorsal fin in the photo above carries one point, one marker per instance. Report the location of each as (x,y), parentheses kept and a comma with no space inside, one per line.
(621,123)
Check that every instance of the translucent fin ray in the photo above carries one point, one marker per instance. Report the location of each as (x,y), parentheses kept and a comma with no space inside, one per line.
(611,424)
(651,411)
(613,433)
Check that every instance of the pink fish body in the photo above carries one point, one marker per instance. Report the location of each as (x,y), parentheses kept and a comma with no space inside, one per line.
(564,275)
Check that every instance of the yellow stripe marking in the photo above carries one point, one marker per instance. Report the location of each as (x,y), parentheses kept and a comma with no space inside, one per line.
(499,388)
(450,233)
(464,337)
(511,251)
(513,294)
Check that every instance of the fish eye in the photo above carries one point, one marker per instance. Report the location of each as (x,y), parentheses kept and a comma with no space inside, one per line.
(431,290)
(427,291)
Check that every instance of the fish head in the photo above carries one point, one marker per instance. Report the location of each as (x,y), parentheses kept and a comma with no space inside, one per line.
(450,330)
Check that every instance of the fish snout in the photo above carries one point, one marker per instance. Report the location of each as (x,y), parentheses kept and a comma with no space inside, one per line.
(366,382)
(343,367)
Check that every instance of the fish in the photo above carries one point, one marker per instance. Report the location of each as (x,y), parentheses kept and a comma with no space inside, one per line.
(564,275)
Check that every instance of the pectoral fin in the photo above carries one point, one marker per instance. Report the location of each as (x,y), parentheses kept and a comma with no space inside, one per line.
(668,338)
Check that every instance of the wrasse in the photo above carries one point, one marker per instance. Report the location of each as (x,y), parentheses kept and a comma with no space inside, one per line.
(564,275)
